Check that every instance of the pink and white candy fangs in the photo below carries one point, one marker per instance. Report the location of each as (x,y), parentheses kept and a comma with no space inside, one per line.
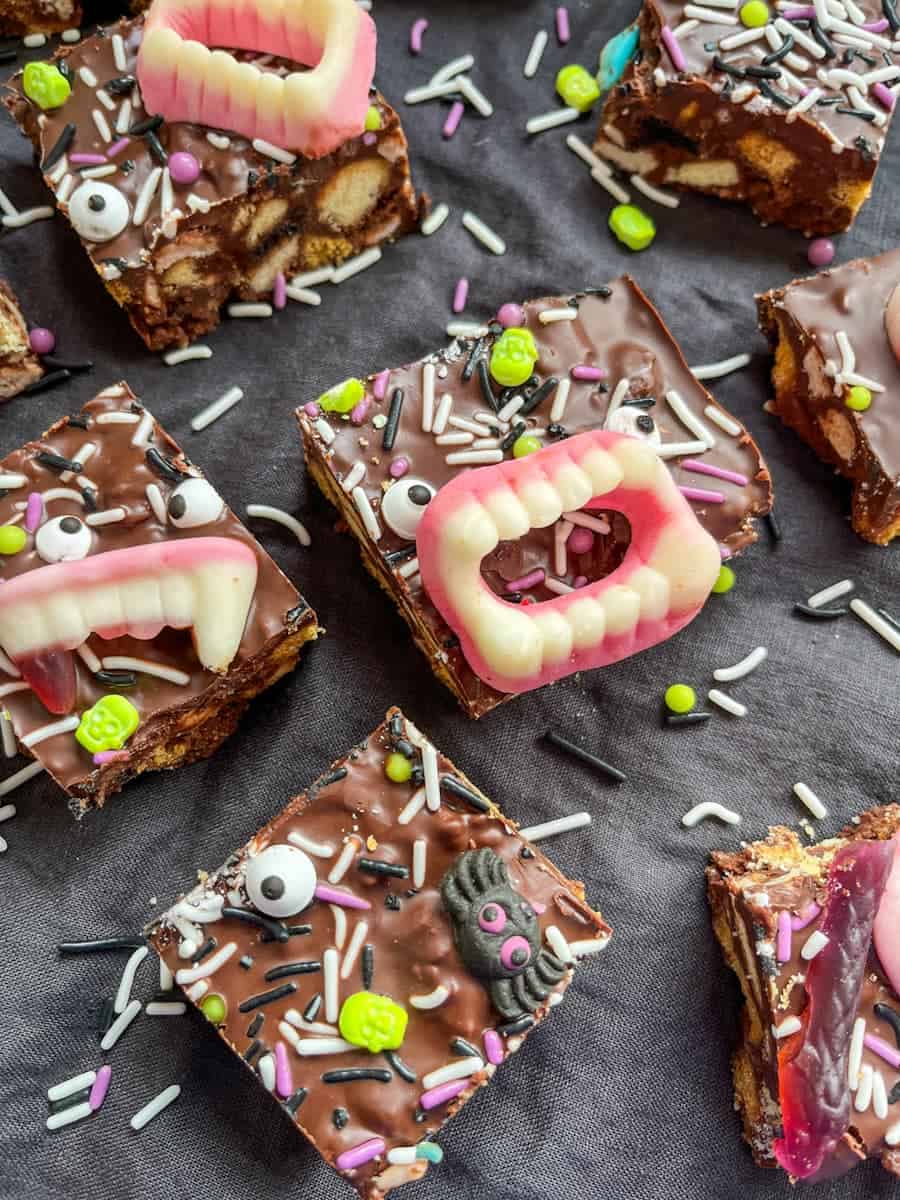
(886,934)
(310,112)
(667,573)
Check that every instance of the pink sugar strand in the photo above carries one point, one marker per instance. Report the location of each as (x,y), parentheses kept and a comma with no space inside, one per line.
(878,26)
(805,918)
(34,512)
(117,147)
(99,1088)
(884,96)
(526,581)
(669,40)
(379,387)
(284,1083)
(332,895)
(883,1049)
(443,1093)
(803,13)
(460,295)
(279,291)
(108,756)
(360,411)
(416,34)
(784,938)
(357,1156)
(454,116)
(87,160)
(493,1047)
(702,468)
(725,551)
(702,496)
(586,373)
(563,33)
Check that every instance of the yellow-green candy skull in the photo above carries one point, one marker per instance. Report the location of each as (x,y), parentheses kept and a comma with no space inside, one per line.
(373,1021)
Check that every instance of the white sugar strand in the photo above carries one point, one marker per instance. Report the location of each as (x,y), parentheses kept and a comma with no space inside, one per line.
(217,409)
(120,1024)
(535,54)
(535,833)
(280,517)
(808,797)
(754,659)
(155,1107)
(123,993)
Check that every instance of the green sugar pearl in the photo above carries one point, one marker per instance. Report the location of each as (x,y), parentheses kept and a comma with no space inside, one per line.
(513,357)
(577,87)
(526,444)
(373,119)
(12,539)
(680,698)
(754,14)
(397,768)
(214,1008)
(45,85)
(343,397)
(632,226)
(725,581)
(858,398)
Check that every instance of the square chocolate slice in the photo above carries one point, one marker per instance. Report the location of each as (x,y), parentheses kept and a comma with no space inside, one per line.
(377,950)
(19,366)
(836,379)
(811,933)
(381,448)
(138,617)
(783,107)
(178,218)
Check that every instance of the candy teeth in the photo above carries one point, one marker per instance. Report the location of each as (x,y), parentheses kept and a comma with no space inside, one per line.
(311,112)
(668,571)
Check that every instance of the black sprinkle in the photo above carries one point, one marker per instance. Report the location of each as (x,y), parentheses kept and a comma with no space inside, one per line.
(691,718)
(396,725)
(395,557)
(207,948)
(513,436)
(773,525)
(828,101)
(466,1049)
(339,1118)
(821,614)
(484,382)
(784,49)
(402,746)
(78,421)
(90,499)
(420,1116)
(538,396)
(563,743)
(252,178)
(266,997)
(356,1074)
(295,1101)
(255,1025)
(855,112)
(105,1015)
(294,614)
(50,380)
(252,1050)
(389,435)
(73,368)
(469,369)
(822,38)
(312,1009)
(526,852)
(449,783)
(8,56)
(865,148)
(156,147)
(375,866)
(332,777)
(60,146)
(889,9)
(894,1093)
(885,1013)
(56,1106)
(245,961)
(392,902)
(148,125)
(121,85)
(418,776)
(367,968)
(163,466)
(763,72)
(557,431)
(126,167)
(101,944)
(776,97)
(400,1066)
(639,402)
(295,968)
(275,928)
(517,1026)
(57,462)
(720,65)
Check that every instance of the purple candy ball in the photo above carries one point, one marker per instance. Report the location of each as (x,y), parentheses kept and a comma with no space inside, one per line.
(820,252)
(42,340)
(183,167)
(312,409)
(581,540)
(398,467)
(511,314)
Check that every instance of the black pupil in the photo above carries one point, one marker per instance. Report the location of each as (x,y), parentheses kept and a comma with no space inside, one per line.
(518,957)
(177,507)
(490,914)
(419,494)
(645,423)
(96,203)
(70,525)
(272,887)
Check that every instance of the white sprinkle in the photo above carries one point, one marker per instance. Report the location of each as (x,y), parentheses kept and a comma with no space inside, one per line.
(690,421)
(892,1135)
(841,588)
(340,925)
(311,278)
(483,233)
(118,49)
(584,152)
(87,77)
(27,217)
(197,203)
(710,15)
(685,28)
(809,798)
(156,502)
(558,944)
(431,91)
(814,944)
(209,966)
(123,993)
(353,266)
(250,308)
(550,120)
(97,173)
(432,1000)
(10,481)
(453,68)
(175,357)
(109,516)
(32,40)
(408,569)
(76,1112)
(303,295)
(879,1096)
(719,418)
(882,627)
(535,833)
(167,195)
(217,409)
(855,1055)
(312,1047)
(354,476)
(432,783)
(657,195)
(402,1156)
(809,44)
(353,948)
(427,397)
(145,196)
(345,858)
(557,586)
(266,1067)
(120,1024)
(441,417)
(677,449)
(475,96)
(742,668)
(155,1107)
(469,458)
(102,125)
(413,806)
(69,1087)
(166,978)
(728,703)
(709,808)
(283,156)
(6,205)
(197,990)
(435,220)
(560,533)
(620,391)
(8,742)
(717,369)
(105,99)
(330,971)
(66,725)
(218,140)
(598,524)
(461,1069)
(268,513)
(606,181)
(123,662)
(856,380)
(588,946)
(465,329)
(324,430)
(788,1026)
(9,689)
(535,54)
(419,861)
(511,407)
(464,423)
(549,316)
(165,1008)
(70,36)
(365,510)
(864,1089)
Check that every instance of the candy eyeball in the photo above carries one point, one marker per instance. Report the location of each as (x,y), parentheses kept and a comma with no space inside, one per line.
(97,211)
(194,502)
(404,505)
(280,881)
(636,423)
(63,539)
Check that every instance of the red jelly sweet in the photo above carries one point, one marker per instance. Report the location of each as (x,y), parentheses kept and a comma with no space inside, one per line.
(51,676)
(815,1099)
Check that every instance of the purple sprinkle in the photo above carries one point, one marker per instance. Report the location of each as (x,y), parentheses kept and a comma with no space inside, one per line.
(332,895)
(562,25)
(184,167)
(279,291)
(806,917)
(443,1093)
(510,314)
(702,468)
(580,581)
(116,147)
(42,340)
(799,14)
(460,295)
(87,160)
(493,1047)
(100,1087)
(883,1049)
(587,373)
(284,1083)
(670,41)
(532,579)
(783,942)
(884,96)
(312,409)
(369,138)
(702,495)
(108,756)
(34,512)
(379,387)
(360,1154)
(454,116)
(725,551)
(360,411)
(398,467)
(820,252)
(416,34)
(878,26)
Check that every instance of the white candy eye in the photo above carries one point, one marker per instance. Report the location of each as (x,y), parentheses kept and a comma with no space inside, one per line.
(404,506)
(63,539)
(97,211)
(280,881)
(194,502)
(636,422)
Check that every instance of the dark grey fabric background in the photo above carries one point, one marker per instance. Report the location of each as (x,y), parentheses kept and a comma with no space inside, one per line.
(625,1093)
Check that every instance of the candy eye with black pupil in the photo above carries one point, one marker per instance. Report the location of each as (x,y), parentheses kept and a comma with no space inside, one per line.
(98,212)
(629,419)
(645,424)
(404,505)
(194,502)
(63,539)
(272,887)
(492,918)
(280,881)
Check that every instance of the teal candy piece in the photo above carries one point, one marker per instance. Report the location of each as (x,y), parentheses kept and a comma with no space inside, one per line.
(430,1151)
(615,57)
